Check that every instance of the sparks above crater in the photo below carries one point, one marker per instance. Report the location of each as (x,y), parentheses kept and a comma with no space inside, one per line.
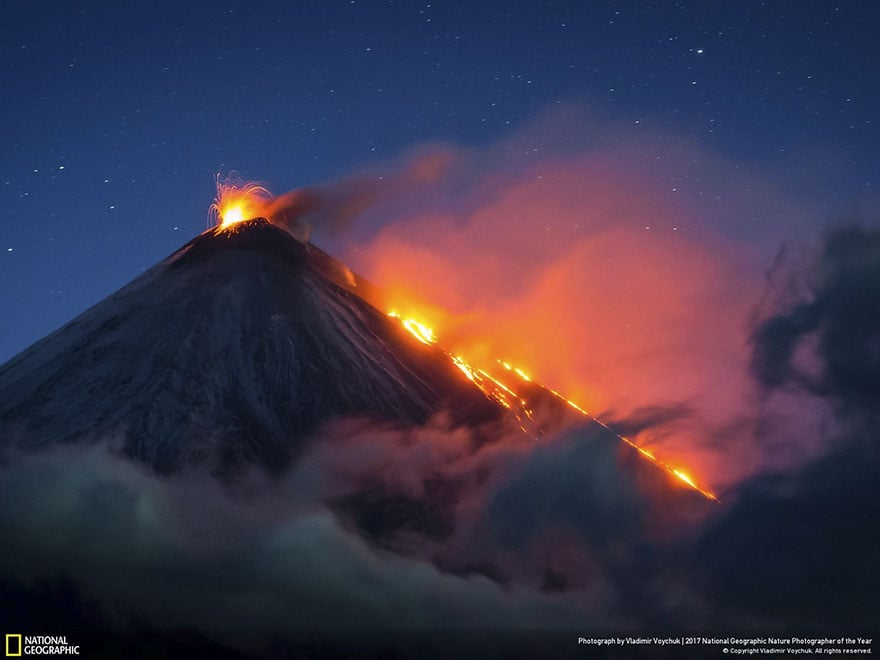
(238,200)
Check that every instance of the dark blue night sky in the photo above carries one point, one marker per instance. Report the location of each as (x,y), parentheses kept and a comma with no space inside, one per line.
(116,116)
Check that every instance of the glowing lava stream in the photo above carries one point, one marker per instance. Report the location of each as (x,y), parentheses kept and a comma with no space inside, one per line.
(507,397)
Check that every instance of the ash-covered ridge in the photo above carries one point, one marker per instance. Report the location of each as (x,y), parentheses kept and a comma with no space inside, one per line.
(235,348)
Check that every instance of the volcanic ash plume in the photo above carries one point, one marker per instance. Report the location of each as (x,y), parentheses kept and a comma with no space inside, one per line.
(330,208)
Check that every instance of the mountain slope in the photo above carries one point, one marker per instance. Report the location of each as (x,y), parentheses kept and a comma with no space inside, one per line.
(234,348)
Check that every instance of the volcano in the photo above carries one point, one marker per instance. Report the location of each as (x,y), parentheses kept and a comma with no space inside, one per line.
(232,350)
(256,357)
(240,346)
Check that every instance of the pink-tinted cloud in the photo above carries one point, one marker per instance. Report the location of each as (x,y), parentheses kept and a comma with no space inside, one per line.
(623,273)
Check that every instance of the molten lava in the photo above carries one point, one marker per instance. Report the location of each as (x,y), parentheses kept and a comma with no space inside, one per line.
(237,201)
(418,330)
(505,393)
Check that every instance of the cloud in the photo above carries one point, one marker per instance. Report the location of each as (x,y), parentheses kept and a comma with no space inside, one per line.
(797,549)
(345,538)
(180,553)
(827,341)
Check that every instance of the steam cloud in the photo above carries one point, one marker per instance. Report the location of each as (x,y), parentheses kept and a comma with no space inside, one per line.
(241,563)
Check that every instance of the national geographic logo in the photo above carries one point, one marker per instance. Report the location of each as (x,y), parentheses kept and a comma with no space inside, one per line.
(13,645)
(18,645)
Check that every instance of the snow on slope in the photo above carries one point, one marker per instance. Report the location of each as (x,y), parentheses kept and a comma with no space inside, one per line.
(236,347)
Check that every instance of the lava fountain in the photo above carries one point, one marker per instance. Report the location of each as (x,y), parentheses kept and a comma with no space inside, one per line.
(238,200)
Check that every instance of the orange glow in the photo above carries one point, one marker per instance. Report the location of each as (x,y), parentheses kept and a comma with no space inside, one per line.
(639,292)
(418,330)
(238,200)
(506,395)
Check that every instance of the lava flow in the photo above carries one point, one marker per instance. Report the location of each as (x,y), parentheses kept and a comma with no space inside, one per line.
(506,394)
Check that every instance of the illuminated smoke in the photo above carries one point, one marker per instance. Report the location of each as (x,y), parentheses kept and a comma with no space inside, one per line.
(620,275)
(328,208)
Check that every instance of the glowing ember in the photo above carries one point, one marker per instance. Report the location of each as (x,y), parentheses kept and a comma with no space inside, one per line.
(238,200)
(505,394)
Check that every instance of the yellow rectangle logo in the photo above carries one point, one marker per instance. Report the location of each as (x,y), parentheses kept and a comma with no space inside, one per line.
(13,646)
